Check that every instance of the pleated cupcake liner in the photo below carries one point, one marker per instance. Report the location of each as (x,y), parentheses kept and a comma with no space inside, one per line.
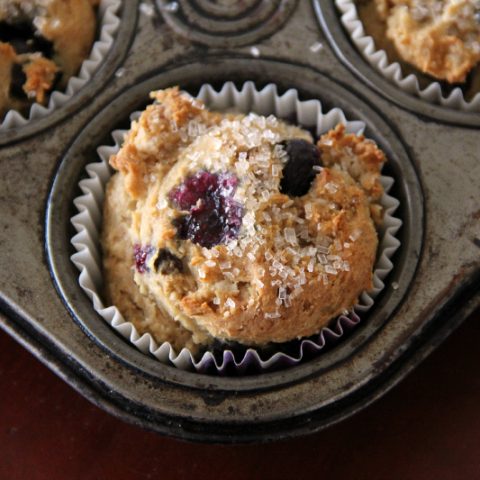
(392,71)
(109,23)
(227,361)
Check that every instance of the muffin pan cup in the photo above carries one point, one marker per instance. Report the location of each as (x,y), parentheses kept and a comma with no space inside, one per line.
(116,22)
(433,286)
(107,27)
(387,80)
(225,361)
(392,71)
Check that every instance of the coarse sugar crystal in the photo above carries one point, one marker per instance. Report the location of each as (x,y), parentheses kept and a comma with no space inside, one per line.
(290,236)
(230,303)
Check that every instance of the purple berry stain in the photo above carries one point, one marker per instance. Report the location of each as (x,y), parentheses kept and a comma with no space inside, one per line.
(214,217)
(140,256)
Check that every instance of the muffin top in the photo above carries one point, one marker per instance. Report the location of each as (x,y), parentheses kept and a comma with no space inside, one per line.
(239,227)
(42,44)
(439,37)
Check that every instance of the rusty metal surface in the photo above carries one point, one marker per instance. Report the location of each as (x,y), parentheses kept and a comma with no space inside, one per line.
(437,172)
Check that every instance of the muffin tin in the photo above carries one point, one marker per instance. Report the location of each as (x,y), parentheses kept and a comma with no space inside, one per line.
(433,156)
(348,54)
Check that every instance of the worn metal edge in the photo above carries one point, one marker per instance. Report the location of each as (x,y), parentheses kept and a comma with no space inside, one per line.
(78,378)
(138,360)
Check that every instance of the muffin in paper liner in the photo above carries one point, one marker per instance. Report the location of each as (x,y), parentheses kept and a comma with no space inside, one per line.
(410,83)
(221,359)
(108,23)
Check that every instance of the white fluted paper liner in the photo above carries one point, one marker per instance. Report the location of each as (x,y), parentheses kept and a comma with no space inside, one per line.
(378,59)
(108,26)
(89,221)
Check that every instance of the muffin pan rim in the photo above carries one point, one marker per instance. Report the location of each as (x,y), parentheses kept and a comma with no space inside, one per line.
(271,431)
(329,20)
(223,383)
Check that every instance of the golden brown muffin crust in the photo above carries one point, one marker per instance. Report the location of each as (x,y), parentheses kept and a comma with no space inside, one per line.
(297,263)
(154,140)
(358,156)
(439,37)
(120,287)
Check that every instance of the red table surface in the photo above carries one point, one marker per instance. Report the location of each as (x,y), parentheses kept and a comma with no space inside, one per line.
(428,427)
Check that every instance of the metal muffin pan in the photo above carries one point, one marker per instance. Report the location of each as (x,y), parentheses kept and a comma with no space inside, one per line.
(348,54)
(436,268)
(64,190)
(112,62)
(229,24)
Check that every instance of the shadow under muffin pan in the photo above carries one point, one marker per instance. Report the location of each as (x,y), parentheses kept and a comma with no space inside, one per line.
(310,85)
(329,19)
(127,13)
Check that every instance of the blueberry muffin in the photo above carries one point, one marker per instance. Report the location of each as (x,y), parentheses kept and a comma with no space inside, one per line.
(235,227)
(439,37)
(42,44)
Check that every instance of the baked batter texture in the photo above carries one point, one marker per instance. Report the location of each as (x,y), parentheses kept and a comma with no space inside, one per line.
(42,44)
(439,37)
(236,227)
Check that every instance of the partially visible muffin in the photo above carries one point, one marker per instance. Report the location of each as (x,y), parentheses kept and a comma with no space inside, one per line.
(42,44)
(237,227)
(439,37)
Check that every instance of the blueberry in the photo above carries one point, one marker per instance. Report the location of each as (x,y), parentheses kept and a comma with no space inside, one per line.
(213,217)
(141,256)
(167,263)
(17,80)
(298,172)
(23,39)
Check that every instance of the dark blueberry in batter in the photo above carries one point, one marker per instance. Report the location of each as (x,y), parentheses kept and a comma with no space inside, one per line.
(213,217)
(23,39)
(167,263)
(18,79)
(141,256)
(298,172)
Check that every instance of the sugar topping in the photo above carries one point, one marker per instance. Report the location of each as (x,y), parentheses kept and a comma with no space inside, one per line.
(277,230)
